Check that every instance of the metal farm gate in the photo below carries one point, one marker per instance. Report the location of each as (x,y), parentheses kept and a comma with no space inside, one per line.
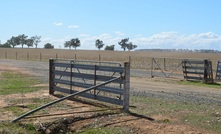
(103,81)
(218,71)
(71,76)
(198,70)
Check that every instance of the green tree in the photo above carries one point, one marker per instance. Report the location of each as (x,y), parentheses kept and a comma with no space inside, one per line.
(29,42)
(14,41)
(131,46)
(6,45)
(124,43)
(36,39)
(110,48)
(22,39)
(75,43)
(99,44)
(72,43)
(67,44)
(48,46)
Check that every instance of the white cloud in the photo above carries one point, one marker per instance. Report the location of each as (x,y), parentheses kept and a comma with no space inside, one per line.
(57,23)
(84,35)
(138,35)
(73,26)
(164,40)
(119,33)
(175,40)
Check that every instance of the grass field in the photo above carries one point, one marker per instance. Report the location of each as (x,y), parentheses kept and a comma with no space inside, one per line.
(139,59)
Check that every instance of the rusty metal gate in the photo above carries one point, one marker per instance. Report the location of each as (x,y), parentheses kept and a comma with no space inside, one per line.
(71,76)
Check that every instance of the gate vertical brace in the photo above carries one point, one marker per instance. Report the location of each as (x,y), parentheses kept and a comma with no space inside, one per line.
(51,76)
(126,92)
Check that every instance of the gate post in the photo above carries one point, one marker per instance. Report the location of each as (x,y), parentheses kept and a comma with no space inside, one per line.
(51,76)
(205,76)
(126,92)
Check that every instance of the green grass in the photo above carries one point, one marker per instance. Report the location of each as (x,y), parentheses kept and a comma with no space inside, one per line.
(14,82)
(201,116)
(196,83)
(16,128)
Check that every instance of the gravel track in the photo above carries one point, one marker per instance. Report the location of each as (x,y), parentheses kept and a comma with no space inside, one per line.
(140,86)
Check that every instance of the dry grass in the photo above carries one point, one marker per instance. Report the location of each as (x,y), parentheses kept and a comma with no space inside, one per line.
(139,60)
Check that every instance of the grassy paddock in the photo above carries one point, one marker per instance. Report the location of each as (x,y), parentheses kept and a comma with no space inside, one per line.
(139,60)
(174,112)
(11,83)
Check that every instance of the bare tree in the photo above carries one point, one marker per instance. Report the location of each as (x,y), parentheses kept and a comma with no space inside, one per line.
(36,39)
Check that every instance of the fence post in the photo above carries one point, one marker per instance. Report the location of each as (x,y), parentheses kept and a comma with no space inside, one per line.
(99,57)
(164,64)
(16,55)
(130,59)
(27,56)
(40,57)
(151,71)
(56,56)
(126,91)
(184,69)
(75,56)
(51,76)
(5,55)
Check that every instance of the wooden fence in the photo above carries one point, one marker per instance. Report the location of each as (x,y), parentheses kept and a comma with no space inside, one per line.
(198,70)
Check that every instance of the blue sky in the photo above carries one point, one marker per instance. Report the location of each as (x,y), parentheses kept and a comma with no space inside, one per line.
(166,24)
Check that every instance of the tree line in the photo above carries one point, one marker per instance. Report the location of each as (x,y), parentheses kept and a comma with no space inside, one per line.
(72,43)
(22,40)
(124,43)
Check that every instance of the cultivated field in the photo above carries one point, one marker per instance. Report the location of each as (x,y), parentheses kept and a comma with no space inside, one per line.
(157,105)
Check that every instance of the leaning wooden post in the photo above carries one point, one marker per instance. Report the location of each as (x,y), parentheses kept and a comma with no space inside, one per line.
(51,76)
(126,92)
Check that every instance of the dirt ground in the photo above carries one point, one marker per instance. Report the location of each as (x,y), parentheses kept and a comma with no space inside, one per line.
(135,124)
